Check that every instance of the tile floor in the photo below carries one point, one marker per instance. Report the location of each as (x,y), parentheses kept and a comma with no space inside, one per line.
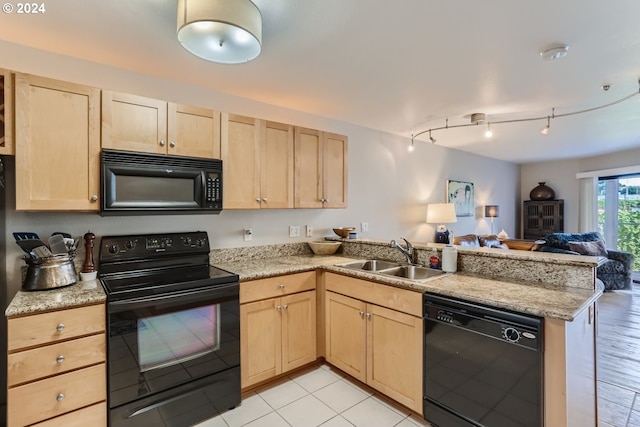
(318,397)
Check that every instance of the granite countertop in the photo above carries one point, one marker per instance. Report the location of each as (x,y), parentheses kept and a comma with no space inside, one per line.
(78,294)
(538,299)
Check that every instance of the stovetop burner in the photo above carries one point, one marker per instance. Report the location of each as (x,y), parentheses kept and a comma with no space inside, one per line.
(141,265)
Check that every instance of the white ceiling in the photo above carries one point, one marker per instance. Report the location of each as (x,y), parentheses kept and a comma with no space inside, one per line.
(396,66)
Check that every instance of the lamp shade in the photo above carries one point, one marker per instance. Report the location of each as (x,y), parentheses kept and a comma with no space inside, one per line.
(224,31)
(441,213)
(491,211)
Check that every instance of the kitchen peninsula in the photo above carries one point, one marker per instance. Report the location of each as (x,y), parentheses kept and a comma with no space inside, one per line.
(560,288)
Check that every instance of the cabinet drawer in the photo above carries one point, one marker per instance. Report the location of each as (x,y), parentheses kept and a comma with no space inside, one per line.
(37,401)
(402,300)
(255,290)
(94,416)
(29,365)
(54,326)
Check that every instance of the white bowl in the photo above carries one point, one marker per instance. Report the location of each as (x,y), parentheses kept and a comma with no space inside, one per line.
(324,248)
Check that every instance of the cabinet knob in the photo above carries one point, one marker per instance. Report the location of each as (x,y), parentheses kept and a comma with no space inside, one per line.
(279,307)
(172,144)
(60,327)
(369,316)
(281,286)
(162,143)
(264,199)
(258,199)
(60,397)
(285,306)
(361,313)
(60,359)
(94,198)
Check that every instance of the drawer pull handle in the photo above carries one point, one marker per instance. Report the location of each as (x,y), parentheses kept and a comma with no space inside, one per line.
(281,286)
(60,397)
(60,359)
(60,327)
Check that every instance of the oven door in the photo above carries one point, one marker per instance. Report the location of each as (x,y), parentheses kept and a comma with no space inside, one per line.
(174,359)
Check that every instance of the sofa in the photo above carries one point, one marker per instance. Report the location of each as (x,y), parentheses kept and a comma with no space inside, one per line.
(473,240)
(615,272)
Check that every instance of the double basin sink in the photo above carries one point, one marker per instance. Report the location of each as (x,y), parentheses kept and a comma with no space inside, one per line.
(394,269)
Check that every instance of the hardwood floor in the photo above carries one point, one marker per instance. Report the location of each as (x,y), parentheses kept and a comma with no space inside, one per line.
(618,344)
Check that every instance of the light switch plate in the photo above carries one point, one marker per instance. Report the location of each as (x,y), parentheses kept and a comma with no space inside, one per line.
(294,231)
(308,230)
(364,227)
(248,234)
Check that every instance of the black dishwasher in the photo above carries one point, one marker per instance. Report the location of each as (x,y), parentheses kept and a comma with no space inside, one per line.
(482,365)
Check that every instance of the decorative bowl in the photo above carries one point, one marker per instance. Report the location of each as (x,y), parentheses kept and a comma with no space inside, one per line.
(344,231)
(324,248)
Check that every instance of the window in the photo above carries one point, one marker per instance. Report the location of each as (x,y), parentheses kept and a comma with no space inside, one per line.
(619,213)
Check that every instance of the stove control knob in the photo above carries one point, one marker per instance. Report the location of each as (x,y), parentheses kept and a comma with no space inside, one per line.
(200,243)
(131,244)
(187,241)
(511,334)
(114,249)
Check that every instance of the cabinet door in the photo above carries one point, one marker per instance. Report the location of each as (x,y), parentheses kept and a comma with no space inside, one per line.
(308,168)
(57,139)
(298,330)
(394,355)
(276,180)
(241,161)
(193,131)
(6,112)
(334,170)
(134,123)
(260,341)
(346,334)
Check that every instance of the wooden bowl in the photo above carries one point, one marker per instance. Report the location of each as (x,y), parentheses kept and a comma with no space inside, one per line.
(324,248)
(344,231)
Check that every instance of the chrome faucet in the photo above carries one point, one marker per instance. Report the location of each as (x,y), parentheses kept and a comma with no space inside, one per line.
(408,252)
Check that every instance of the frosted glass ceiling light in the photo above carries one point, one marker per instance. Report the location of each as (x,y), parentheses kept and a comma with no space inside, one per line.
(224,31)
(545,130)
(488,133)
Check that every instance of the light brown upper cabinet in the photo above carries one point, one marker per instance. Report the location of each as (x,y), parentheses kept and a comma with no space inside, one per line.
(136,123)
(257,158)
(6,112)
(57,145)
(320,169)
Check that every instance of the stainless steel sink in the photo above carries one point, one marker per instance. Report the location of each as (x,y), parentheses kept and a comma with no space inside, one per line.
(370,265)
(396,269)
(412,272)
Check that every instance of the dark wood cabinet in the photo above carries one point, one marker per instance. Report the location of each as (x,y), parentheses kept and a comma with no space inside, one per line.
(540,218)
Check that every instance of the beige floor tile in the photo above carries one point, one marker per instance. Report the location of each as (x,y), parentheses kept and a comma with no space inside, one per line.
(340,395)
(307,412)
(372,413)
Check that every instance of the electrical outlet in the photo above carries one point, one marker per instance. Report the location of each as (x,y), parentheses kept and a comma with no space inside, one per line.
(248,234)
(308,231)
(364,227)
(294,231)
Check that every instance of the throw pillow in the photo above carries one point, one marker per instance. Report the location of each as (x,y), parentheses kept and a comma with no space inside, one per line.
(595,248)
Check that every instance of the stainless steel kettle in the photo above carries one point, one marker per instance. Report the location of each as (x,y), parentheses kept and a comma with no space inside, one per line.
(50,272)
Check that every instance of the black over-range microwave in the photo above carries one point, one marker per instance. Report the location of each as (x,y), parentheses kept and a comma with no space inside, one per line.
(146,184)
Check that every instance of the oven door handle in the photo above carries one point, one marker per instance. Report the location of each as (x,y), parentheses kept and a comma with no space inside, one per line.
(206,296)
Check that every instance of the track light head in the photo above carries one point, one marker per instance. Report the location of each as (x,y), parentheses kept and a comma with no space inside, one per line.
(545,130)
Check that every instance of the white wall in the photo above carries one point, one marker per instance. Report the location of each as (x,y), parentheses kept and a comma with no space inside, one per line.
(388,186)
(561,176)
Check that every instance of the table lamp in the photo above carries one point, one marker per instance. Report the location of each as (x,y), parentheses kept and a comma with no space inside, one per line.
(491,211)
(441,214)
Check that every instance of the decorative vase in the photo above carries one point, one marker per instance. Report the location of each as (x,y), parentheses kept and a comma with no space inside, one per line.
(542,192)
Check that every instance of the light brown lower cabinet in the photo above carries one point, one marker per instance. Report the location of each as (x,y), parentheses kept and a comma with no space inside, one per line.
(379,346)
(277,334)
(56,369)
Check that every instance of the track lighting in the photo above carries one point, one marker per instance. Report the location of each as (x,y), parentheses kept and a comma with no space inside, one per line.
(488,133)
(545,130)
(411,147)
(477,118)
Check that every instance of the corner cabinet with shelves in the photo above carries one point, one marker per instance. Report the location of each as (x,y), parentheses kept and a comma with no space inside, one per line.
(542,217)
(258,162)
(6,112)
(136,123)
(57,145)
(320,169)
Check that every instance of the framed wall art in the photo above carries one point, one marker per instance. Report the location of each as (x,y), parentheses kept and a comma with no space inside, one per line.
(461,194)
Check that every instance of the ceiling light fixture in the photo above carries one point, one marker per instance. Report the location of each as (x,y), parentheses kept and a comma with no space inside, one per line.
(545,130)
(411,147)
(488,133)
(555,52)
(526,119)
(223,31)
